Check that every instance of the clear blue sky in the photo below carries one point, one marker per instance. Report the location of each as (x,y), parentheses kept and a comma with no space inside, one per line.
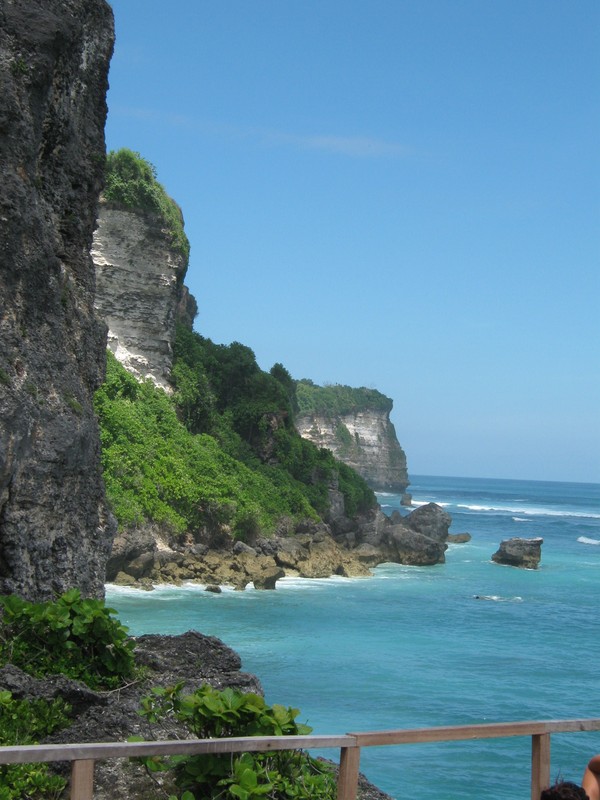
(403,195)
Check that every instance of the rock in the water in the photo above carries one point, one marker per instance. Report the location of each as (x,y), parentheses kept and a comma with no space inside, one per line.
(268,579)
(431,520)
(517,552)
(410,547)
(55,527)
(459,538)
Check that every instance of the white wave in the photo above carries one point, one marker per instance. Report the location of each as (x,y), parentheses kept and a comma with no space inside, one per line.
(520,519)
(496,598)
(532,512)
(585,540)
(426,502)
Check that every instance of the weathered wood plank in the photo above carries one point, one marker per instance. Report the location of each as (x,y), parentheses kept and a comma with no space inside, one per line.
(540,764)
(497,730)
(22,754)
(82,780)
(347,786)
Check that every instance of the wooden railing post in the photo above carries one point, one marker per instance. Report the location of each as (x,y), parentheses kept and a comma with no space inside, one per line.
(347,787)
(540,764)
(82,780)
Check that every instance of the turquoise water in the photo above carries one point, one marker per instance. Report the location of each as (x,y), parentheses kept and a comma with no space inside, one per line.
(413,647)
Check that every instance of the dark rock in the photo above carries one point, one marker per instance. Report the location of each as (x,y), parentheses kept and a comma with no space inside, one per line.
(410,547)
(242,547)
(130,544)
(212,587)
(431,520)
(525,553)
(406,499)
(191,658)
(55,527)
(459,538)
(268,579)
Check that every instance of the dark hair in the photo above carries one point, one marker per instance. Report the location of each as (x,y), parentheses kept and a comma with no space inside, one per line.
(565,790)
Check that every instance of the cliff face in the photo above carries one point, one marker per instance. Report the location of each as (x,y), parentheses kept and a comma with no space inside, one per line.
(138,290)
(365,440)
(55,530)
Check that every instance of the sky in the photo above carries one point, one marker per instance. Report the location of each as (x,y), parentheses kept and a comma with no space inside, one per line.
(398,194)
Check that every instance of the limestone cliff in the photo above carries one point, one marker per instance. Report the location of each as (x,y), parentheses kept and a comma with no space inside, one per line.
(55,530)
(355,425)
(139,278)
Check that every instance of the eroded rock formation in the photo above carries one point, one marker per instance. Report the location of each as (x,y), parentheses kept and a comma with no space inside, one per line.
(139,288)
(55,530)
(346,547)
(365,440)
(516,552)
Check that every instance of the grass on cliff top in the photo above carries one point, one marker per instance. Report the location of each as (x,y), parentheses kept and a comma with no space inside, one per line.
(130,182)
(335,400)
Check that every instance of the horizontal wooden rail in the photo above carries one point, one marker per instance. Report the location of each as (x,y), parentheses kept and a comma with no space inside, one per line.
(493,730)
(97,751)
(84,755)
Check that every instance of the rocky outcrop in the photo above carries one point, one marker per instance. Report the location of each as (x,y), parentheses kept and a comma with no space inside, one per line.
(525,553)
(55,530)
(345,547)
(139,289)
(365,440)
(192,659)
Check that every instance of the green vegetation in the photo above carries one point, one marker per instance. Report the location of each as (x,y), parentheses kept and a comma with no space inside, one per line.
(337,400)
(130,182)
(221,390)
(73,636)
(25,722)
(222,451)
(209,713)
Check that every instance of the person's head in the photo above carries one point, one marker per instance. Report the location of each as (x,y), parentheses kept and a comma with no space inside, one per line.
(565,790)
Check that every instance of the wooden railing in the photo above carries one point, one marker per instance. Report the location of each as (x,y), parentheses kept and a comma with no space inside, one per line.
(83,756)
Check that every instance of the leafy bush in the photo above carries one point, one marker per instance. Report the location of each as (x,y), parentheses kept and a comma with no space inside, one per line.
(210,713)
(74,636)
(156,470)
(130,182)
(221,387)
(25,722)
(336,400)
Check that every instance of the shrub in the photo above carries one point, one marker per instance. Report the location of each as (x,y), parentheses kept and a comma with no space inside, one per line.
(25,722)
(336,400)
(74,636)
(130,182)
(210,713)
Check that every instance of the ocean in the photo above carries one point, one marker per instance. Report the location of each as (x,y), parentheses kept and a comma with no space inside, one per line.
(464,642)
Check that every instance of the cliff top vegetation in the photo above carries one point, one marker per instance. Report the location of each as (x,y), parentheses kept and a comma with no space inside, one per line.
(222,451)
(130,182)
(336,400)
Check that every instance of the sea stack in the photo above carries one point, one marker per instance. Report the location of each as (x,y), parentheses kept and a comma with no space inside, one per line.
(524,553)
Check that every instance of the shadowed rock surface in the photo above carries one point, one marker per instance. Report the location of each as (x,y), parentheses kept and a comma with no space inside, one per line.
(55,530)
